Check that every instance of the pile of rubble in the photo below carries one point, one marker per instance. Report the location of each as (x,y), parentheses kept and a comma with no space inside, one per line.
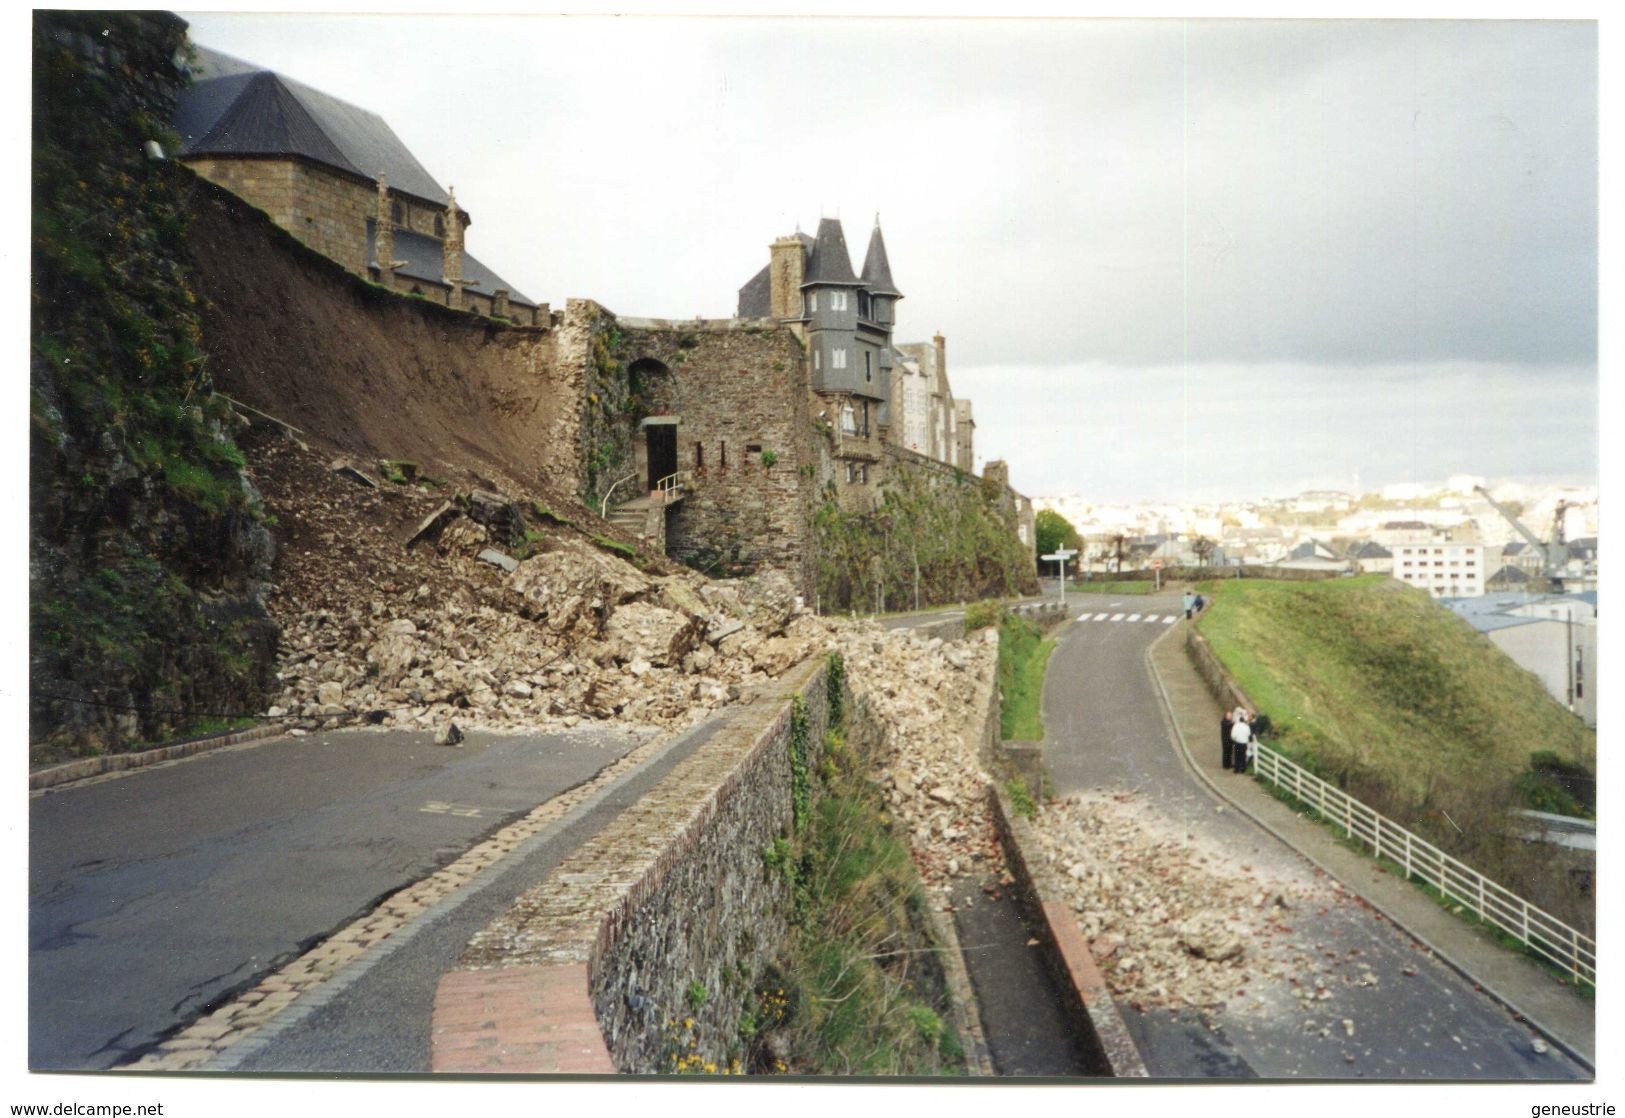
(1171,919)
(420,608)
(456,621)
(924,694)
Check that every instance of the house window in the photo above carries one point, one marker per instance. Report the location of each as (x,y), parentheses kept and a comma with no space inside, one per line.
(851,473)
(699,456)
(723,455)
(395,212)
(849,425)
(837,300)
(868,365)
(818,359)
(864,304)
(812,302)
(838,358)
(439,226)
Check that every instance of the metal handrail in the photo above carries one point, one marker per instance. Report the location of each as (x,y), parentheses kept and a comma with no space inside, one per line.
(1541,932)
(670,487)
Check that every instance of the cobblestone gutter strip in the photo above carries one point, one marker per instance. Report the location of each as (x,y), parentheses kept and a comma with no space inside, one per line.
(1103,1036)
(119,762)
(557,934)
(212,1038)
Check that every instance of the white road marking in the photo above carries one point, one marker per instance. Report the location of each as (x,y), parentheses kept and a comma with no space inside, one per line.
(1133,617)
(1102,616)
(1169,620)
(1117,617)
(1150,617)
(437,807)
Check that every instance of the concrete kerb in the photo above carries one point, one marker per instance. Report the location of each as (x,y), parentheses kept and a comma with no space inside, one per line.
(1105,1036)
(85,768)
(1189,761)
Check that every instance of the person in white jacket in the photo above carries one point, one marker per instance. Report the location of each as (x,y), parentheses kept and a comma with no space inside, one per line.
(1241,736)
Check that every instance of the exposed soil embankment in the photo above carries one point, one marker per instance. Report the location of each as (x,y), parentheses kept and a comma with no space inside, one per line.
(381,375)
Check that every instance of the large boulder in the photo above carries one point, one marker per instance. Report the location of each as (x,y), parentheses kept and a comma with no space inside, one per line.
(574,587)
(640,631)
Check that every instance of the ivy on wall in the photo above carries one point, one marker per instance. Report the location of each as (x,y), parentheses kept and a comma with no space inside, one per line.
(144,532)
(932,538)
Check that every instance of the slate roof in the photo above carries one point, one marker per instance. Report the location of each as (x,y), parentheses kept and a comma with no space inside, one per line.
(877,269)
(235,108)
(1509,575)
(830,262)
(424,259)
(1370,549)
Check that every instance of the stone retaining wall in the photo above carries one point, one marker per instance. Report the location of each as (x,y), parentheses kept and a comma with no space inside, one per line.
(662,918)
(1207,665)
(1104,1039)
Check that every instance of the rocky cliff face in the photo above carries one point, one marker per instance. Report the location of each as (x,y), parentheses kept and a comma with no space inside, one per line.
(147,558)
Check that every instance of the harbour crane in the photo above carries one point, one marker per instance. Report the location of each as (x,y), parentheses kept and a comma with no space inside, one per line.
(1554,553)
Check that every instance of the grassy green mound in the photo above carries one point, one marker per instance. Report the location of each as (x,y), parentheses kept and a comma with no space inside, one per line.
(1375,687)
(1368,675)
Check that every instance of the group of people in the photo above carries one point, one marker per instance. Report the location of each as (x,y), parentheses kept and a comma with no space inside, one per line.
(1194,604)
(1237,738)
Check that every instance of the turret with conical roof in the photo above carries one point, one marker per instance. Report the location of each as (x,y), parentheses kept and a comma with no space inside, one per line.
(882,289)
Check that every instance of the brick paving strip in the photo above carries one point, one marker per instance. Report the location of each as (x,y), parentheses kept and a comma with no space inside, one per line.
(228,1034)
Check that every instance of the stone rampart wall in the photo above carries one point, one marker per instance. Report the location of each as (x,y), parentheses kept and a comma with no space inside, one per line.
(666,915)
(730,387)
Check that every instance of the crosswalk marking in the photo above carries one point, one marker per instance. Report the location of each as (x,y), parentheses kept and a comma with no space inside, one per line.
(1129,618)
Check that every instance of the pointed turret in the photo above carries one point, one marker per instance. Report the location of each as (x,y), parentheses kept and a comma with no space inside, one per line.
(876,268)
(883,293)
(830,262)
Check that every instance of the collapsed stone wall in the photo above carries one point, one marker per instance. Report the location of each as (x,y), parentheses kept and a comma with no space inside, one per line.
(292,333)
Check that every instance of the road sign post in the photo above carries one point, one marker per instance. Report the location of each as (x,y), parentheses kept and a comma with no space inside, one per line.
(1059,558)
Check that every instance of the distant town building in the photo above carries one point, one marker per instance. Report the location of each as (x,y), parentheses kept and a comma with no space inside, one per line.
(1553,636)
(1444,567)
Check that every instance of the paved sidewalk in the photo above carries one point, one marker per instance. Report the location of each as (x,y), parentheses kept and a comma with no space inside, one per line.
(1517,982)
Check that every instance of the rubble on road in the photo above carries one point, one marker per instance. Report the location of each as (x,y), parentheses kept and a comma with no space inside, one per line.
(1171,920)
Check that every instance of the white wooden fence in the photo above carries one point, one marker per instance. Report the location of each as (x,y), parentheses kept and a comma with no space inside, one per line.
(1543,933)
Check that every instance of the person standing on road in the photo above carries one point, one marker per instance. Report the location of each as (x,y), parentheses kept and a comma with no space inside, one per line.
(1190,604)
(1226,745)
(1241,736)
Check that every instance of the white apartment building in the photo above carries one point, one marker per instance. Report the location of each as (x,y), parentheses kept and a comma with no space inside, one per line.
(1444,568)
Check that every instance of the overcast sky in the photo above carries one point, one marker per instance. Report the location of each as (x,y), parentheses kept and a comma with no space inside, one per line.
(1176,260)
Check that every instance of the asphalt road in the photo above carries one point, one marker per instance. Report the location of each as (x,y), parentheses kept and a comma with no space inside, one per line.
(160,893)
(1105,728)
